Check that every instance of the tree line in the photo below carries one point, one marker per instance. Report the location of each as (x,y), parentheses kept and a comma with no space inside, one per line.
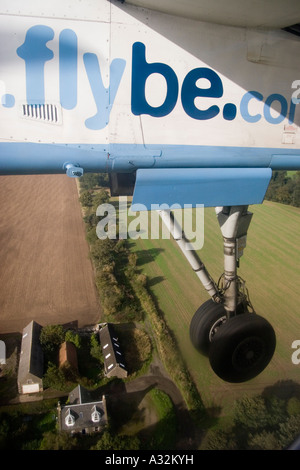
(258,423)
(284,187)
(124,292)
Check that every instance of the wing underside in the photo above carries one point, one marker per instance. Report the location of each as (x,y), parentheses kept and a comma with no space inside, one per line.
(246,13)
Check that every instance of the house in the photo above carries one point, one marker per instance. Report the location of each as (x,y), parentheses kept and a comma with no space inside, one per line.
(68,355)
(30,373)
(114,362)
(82,414)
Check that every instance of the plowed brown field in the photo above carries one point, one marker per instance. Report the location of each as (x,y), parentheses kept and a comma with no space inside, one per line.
(45,271)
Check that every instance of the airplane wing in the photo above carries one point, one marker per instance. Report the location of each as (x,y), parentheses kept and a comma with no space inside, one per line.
(271,14)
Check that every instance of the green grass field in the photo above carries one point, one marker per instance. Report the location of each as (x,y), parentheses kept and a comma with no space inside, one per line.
(271,267)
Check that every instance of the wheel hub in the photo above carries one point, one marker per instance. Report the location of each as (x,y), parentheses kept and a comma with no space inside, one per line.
(248,353)
(216,326)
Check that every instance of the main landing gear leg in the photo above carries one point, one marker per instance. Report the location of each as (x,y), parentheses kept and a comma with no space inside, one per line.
(238,342)
(234,223)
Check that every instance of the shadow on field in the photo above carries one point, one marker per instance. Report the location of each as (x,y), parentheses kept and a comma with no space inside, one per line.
(283,389)
(155,280)
(147,256)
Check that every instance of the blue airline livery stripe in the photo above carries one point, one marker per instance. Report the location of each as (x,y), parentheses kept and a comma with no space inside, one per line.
(38,158)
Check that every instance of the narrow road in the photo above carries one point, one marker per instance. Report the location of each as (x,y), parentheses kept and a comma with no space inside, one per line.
(157,377)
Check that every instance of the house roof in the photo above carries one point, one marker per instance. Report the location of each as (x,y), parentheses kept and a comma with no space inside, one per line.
(68,354)
(82,412)
(31,356)
(111,349)
(79,396)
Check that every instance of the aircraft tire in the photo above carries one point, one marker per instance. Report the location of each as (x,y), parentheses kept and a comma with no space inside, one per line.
(242,348)
(205,322)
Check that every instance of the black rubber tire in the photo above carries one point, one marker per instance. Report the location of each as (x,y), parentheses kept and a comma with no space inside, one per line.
(202,325)
(242,348)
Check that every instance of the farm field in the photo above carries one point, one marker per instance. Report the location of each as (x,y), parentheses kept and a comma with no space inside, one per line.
(45,271)
(271,267)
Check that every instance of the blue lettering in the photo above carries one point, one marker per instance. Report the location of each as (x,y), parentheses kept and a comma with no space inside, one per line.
(104,97)
(229,111)
(141,70)
(35,53)
(267,108)
(292,112)
(245,103)
(190,91)
(8,101)
(244,108)
(68,68)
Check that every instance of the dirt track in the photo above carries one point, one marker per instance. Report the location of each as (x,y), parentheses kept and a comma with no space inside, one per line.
(45,271)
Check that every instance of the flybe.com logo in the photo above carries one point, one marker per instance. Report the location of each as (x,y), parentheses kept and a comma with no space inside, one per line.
(35,52)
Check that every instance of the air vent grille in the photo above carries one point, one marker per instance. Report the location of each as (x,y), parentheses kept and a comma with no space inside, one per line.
(49,113)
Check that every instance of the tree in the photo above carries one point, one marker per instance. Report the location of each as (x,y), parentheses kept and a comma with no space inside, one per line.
(102,251)
(74,338)
(91,220)
(96,350)
(251,413)
(289,431)
(284,188)
(51,337)
(264,441)
(108,441)
(296,195)
(86,198)
(92,180)
(278,180)
(276,411)
(293,406)
(58,441)
(260,413)
(102,197)
(220,440)
(54,378)
(4,433)
(283,195)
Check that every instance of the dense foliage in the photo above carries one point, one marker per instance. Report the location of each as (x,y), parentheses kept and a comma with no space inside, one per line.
(113,263)
(65,377)
(284,187)
(258,423)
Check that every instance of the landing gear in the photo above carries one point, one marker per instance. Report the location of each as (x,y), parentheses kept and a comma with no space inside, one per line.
(205,323)
(242,347)
(239,348)
(238,342)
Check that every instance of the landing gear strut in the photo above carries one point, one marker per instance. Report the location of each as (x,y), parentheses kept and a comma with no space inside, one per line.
(238,342)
